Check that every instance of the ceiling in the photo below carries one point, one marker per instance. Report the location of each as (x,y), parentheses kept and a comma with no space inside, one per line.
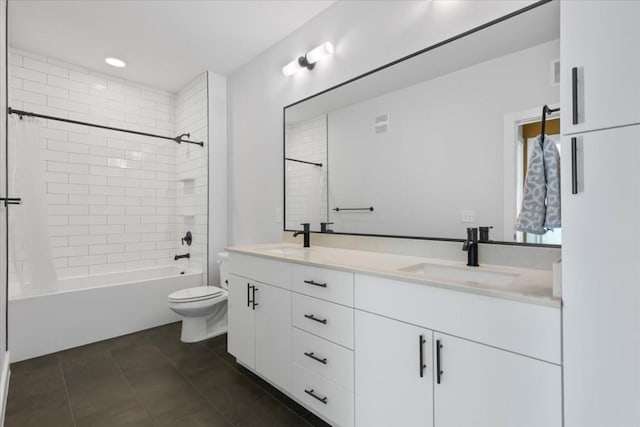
(165,43)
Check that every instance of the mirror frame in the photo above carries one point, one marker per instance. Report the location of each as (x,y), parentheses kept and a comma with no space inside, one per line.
(375,70)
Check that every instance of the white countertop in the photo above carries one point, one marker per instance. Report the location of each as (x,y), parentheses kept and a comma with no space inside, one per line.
(530,286)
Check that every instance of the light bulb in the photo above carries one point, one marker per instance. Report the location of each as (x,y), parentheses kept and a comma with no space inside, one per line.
(115,62)
(291,68)
(322,51)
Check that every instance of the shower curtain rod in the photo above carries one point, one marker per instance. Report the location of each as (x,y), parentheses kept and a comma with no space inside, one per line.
(178,139)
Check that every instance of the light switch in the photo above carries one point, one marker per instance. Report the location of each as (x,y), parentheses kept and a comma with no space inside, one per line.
(278,215)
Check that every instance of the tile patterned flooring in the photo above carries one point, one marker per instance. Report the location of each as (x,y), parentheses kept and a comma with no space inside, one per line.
(148,378)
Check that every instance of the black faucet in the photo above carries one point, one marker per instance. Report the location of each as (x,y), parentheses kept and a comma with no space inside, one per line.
(324,227)
(306,232)
(471,246)
(177,257)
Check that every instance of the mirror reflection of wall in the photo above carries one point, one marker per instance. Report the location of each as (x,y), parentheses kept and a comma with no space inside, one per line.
(306,177)
(429,142)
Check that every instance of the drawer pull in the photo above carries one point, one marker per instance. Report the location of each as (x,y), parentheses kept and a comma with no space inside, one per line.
(316,358)
(311,282)
(315,396)
(314,318)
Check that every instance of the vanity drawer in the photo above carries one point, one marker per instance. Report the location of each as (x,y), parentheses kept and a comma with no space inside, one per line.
(330,401)
(331,285)
(329,360)
(263,270)
(324,319)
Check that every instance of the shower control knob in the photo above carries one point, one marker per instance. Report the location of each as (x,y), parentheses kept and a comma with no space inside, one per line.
(188,238)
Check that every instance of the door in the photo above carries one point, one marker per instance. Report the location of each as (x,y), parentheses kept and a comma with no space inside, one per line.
(600,39)
(273,334)
(241,336)
(482,386)
(601,280)
(393,373)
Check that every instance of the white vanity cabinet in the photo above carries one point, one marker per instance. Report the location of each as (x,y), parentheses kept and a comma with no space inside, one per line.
(260,317)
(482,386)
(394,372)
(600,39)
(485,366)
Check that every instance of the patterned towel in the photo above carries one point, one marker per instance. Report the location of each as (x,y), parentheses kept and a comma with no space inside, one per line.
(541,198)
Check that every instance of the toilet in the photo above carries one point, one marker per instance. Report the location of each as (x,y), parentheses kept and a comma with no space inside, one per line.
(203,308)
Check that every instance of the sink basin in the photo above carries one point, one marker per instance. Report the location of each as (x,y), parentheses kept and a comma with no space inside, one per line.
(288,251)
(467,275)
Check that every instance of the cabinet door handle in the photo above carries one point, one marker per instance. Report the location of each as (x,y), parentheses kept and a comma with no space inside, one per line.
(315,396)
(421,342)
(574,165)
(249,294)
(11,200)
(574,94)
(314,318)
(311,282)
(316,358)
(253,299)
(438,370)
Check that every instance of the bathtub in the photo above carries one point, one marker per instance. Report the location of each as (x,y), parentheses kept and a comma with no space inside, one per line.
(83,310)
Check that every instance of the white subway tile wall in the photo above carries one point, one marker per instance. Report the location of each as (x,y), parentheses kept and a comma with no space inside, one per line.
(191,169)
(306,192)
(116,201)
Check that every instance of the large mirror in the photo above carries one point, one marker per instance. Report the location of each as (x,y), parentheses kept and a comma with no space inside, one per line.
(432,144)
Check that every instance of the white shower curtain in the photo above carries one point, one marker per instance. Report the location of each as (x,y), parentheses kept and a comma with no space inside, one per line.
(29,242)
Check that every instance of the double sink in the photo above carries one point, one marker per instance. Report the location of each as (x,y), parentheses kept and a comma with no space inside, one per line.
(469,276)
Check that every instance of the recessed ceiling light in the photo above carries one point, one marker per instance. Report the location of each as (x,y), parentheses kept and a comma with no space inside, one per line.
(115,62)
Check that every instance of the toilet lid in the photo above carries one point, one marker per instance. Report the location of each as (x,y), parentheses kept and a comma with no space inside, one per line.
(195,294)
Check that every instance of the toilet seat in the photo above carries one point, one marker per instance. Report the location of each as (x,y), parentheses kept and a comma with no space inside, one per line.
(199,293)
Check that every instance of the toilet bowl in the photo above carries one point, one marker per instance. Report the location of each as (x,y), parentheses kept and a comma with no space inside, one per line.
(203,308)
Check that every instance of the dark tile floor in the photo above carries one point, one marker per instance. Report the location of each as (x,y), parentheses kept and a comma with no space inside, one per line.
(149,378)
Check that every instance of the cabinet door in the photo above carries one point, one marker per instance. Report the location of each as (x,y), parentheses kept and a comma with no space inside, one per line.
(482,386)
(241,335)
(601,280)
(273,334)
(601,39)
(392,388)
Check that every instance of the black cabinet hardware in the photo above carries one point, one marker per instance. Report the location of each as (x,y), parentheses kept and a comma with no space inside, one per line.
(11,200)
(312,317)
(249,294)
(574,94)
(316,358)
(370,209)
(421,342)
(311,282)
(574,165)
(188,239)
(253,298)
(438,370)
(303,161)
(315,396)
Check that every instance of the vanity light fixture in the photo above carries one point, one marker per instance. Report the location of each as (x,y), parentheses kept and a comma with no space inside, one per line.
(115,62)
(309,60)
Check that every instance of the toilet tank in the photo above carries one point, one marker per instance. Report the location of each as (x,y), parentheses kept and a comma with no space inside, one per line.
(223,263)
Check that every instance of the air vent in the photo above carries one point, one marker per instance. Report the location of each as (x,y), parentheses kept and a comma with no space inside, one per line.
(381,123)
(555,73)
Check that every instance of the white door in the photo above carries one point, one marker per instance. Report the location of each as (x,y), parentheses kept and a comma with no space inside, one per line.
(482,386)
(601,39)
(601,280)
(273,334)
(394,387)
(241,336)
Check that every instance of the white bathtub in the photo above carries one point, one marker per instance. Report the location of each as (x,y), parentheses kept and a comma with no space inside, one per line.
(87,309)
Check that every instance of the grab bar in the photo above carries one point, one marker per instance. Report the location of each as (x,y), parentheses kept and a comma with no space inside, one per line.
(370,209)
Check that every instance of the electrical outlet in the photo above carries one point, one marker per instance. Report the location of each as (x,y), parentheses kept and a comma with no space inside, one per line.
(278,215)
(468,216)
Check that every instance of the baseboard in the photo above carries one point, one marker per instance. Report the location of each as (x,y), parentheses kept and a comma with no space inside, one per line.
(4,385)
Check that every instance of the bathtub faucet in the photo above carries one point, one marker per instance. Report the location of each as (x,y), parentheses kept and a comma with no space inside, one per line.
(177,257)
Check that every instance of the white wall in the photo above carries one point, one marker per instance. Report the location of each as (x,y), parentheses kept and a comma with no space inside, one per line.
(443,152)
(366,34)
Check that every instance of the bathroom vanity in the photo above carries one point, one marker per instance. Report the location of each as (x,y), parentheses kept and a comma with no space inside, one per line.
(372,339)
